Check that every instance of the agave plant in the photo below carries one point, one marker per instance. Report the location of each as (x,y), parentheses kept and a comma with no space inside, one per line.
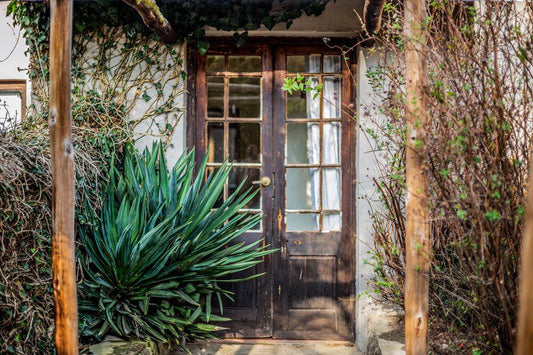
(159,251)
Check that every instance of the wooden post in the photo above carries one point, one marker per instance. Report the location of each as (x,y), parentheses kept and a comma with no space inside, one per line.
(417,227)
(63,260)
(524,338)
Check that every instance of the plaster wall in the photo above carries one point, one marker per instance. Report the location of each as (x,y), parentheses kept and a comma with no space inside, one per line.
(13,60)
(139,81)
(371,318)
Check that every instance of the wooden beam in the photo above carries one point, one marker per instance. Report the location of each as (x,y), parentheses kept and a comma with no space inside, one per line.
(417,209)
(524,339)
(154,19)
(63,259)
(372,13)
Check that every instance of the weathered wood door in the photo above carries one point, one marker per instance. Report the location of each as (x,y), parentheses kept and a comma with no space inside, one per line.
(298,150)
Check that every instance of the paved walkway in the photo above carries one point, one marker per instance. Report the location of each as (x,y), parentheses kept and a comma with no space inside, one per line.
(271,348)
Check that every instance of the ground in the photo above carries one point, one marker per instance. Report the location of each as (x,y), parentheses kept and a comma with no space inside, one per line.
(271,347)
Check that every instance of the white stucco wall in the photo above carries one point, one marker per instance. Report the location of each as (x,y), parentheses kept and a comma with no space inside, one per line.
(369,317)
(132,81)
(13,61)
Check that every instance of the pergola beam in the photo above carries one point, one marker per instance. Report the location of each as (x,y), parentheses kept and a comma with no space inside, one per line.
(63,249)
(417,242)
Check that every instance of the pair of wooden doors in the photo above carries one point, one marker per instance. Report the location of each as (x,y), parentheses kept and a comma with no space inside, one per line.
(298,149)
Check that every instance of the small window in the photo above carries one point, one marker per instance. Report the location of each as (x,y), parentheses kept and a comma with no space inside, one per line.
(12,103)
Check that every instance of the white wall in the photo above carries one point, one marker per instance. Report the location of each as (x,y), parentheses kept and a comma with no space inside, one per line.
(130,78)
(13,61)
(369,317)
(12,65)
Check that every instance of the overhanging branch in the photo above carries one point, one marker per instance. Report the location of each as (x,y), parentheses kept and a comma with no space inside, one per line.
(154,19)
(372,16)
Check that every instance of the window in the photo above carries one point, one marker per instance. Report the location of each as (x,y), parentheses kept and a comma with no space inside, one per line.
(12,103)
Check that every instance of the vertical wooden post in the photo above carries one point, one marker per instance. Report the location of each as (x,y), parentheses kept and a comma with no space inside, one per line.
(63,260)
(417,210)
(524,338)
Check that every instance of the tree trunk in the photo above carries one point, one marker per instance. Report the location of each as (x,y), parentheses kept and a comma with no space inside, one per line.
(417,228)
(63,259)
(524,339)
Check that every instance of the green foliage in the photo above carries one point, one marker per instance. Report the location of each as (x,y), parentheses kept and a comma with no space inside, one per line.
(188,18)
(299,83)
(159,251)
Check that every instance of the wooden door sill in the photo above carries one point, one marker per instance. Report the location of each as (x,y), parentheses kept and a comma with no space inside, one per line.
(271,341)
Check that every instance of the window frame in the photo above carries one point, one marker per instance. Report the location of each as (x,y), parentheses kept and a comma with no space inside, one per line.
(18,85)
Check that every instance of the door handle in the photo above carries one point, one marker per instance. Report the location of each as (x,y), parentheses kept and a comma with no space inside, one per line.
(265,181)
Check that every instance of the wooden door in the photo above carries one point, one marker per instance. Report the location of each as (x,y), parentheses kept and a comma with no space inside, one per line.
(234,113)
(313,283)
(304,147)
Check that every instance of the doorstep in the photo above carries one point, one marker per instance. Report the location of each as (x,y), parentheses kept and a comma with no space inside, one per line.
(269,347)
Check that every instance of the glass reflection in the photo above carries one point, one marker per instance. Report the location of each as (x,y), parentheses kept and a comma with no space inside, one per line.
(245,175)
(303,63)
(215,139)
(245,97)
(241,63)
(244,142)
(215,96)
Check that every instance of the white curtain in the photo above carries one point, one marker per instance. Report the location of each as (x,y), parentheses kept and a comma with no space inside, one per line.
(331,140)
(331,179)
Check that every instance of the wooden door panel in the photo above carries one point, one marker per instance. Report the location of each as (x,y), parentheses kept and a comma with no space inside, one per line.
(313,293)
(233,122)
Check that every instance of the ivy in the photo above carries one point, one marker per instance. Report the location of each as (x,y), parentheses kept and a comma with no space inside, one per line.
(188,18)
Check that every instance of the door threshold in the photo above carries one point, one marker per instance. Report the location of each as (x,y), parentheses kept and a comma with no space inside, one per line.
(272,341)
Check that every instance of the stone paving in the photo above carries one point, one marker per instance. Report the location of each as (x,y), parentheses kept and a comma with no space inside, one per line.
(271,348)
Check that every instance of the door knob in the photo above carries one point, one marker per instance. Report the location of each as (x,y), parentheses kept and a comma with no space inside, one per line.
(265,181)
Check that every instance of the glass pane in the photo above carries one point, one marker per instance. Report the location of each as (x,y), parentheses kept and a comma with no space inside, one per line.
(237,176)
(303,63)
(241,63)
(10,109)
(244,142)
(220,199)
(303,143)
(331,189)
(245,97)
(302,104)
(302,188)
(257,226)
(215,63)
(331,139)
(215,96)
(215,142)
(331,222)
(332,64)
(331,92)
(302,221)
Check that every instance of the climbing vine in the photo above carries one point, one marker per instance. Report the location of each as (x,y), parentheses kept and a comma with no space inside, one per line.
(126,85)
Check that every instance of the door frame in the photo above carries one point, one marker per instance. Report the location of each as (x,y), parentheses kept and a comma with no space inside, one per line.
(272,49)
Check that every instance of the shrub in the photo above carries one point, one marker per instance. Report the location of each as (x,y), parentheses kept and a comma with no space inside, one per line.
(477,152)
(159,251)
